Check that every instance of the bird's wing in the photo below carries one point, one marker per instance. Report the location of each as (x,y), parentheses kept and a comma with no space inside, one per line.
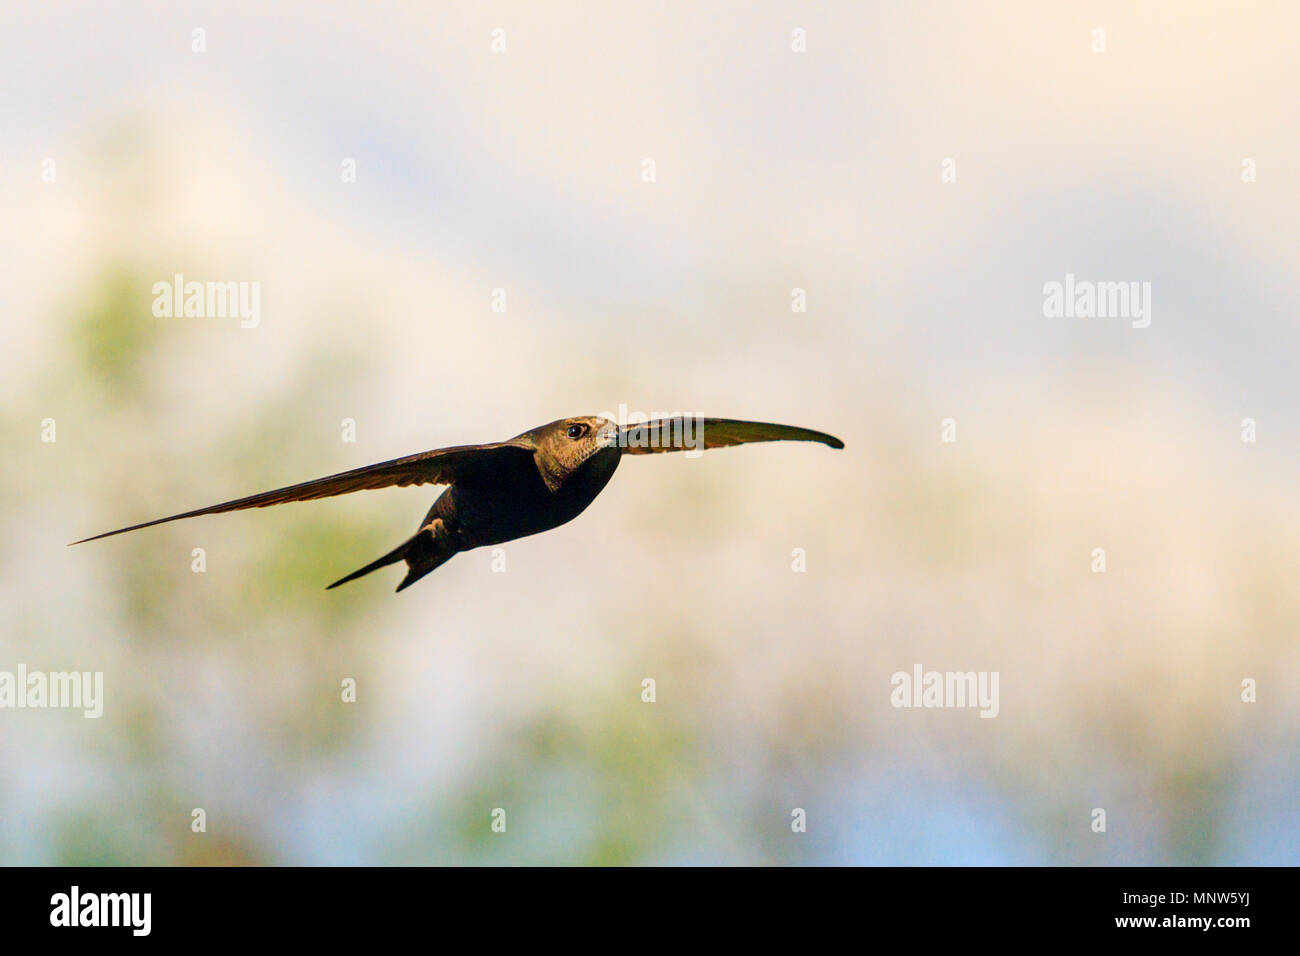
(686,433)
(442,466)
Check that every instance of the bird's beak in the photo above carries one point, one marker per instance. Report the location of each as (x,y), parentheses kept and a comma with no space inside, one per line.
(607,437)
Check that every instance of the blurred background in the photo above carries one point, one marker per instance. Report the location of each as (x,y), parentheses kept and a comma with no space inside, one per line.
(515,161)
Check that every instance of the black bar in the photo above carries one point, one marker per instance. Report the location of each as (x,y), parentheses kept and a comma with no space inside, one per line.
(297,905)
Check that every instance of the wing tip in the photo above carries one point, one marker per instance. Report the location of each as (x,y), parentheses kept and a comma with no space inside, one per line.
(109,534)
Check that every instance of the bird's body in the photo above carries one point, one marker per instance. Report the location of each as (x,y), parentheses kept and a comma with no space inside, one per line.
(509,501)
(531,483)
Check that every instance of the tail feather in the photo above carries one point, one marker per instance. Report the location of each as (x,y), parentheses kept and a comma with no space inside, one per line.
(420,569)
(422,553)
(392,557)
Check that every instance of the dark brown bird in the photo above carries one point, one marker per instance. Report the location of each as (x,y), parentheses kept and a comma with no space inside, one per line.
(506,490)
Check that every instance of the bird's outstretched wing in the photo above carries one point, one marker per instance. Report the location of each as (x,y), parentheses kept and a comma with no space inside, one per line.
(686,434)
(442,466)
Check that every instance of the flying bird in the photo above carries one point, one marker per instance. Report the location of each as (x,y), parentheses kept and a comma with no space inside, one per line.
(505,490)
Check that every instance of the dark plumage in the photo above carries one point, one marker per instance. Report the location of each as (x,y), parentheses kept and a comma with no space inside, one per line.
(506,490)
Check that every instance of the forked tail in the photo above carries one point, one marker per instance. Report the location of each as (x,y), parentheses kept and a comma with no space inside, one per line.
(422,553)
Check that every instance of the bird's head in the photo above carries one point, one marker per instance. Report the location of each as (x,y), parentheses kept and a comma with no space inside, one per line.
(565,447)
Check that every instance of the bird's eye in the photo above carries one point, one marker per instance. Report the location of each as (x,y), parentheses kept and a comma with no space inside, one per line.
(577,431)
